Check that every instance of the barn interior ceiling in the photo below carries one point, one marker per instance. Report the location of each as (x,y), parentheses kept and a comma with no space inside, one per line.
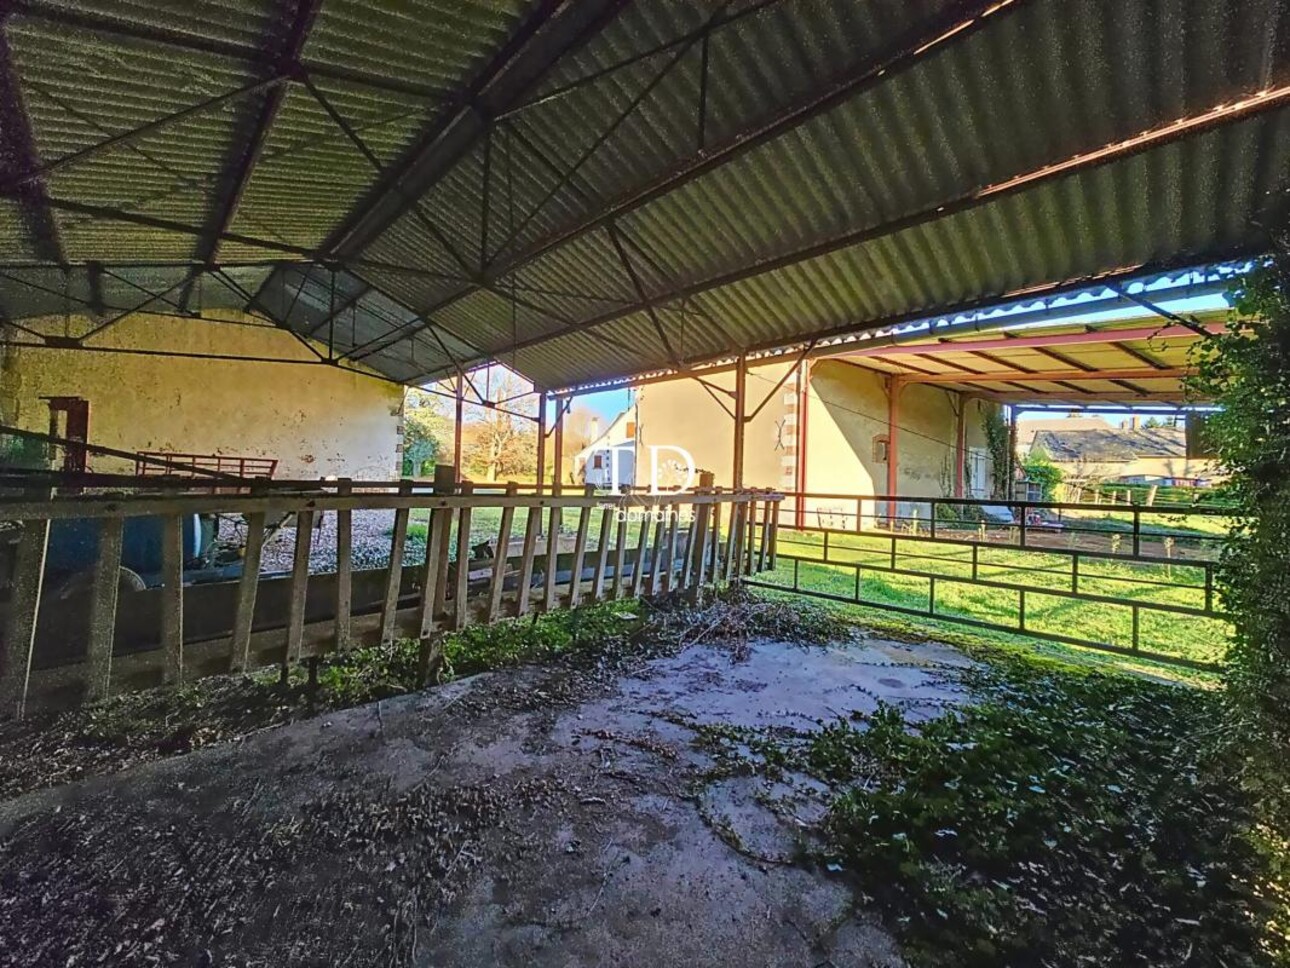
(593,189)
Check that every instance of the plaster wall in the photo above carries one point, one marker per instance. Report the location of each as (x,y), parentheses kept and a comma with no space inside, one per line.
(317,420)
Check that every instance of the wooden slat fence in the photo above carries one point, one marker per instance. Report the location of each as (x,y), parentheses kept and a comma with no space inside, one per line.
(643,544)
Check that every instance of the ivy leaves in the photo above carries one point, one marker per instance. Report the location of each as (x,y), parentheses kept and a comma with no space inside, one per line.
(1066,819)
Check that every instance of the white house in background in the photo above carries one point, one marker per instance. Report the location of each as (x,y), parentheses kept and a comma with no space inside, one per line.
(610,459)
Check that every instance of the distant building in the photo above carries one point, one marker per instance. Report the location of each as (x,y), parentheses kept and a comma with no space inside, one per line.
(1155,455)
(1028,428)
(610,459)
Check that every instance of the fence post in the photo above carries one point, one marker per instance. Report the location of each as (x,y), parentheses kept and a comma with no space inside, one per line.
(433,571)
(602,554)
(299,589)
(172,597)
(394,573)
(461,609)
(345,565)
(580,549)
(500,555)
(103,606)
(248,584)
(620,552)
(24,606)
(524,580)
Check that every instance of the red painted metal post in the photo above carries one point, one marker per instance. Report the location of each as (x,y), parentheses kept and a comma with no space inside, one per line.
(894,386)
(541,441)
(741,420)
(457,462)
(960,445)
(803,407)
(557,446)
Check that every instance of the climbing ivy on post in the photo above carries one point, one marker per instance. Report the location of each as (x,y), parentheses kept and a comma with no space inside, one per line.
(998,440)
(1247,371)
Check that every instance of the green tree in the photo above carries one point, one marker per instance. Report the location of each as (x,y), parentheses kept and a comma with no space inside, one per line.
(1247,371)
(1040,469)
(427,432)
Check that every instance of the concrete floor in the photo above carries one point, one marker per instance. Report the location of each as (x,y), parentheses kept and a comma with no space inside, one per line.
(529,817)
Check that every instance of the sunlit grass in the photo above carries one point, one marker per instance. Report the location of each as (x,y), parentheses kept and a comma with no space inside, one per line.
(1187,637)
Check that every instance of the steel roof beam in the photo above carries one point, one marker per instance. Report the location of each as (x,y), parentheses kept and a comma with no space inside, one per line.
(1227,113)
(113,27)
(902,329)
(17,146)
(1092,336)
(340,308)
(181,228)
(551,30)
(1053,376)
(246,150)
(126,137)
(959,21)
(1188,321)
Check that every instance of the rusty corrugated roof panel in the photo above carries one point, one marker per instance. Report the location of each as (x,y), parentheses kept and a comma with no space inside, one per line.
(775,171)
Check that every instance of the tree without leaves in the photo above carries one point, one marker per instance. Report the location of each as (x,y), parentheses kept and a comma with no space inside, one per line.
(496,443)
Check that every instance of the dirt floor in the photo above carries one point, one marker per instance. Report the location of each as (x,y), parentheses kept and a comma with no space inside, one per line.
(537,816)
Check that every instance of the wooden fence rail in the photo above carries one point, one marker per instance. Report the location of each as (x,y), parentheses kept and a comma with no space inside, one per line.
(103,638)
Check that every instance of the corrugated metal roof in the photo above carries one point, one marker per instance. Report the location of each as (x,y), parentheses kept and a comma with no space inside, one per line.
(773,170)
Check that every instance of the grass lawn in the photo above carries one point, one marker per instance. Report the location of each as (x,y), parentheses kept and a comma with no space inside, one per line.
(1190,637)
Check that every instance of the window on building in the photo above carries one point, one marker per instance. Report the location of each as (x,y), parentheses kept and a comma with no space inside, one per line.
(881,448)
(631,430)
(597,461)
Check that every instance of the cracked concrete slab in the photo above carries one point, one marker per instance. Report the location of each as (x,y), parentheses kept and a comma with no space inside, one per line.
(521,817)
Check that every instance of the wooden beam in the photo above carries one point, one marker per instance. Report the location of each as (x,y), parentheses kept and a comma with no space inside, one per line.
(1053,376)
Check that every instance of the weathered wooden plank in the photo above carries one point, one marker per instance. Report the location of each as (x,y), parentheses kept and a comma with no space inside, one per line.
(620,556)
(673,527)
(524,581)
(344,568)
(690,566)
(460,610)
(714,548)
(602,555)
(740,535)
(299,585)
(638,565)
(774,540)
(439,603)
(172,599)
(116,506)
(768,510)
(247,586)
(658,548)
(436,536)
(394,573)
(552,559)
(728,558)
(103,605)
(498,580)
(579,555)
(24,606)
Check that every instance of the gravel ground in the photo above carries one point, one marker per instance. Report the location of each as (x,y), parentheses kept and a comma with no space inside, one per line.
(371,530)
(536,817)
(371,541)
